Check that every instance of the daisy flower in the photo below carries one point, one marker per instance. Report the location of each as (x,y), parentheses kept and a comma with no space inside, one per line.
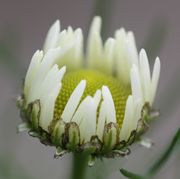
(98,101)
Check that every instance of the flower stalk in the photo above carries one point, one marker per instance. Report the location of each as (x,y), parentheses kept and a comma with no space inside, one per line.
(80,164)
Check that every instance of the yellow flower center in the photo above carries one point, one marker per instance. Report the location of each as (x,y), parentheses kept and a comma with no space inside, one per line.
(94,81)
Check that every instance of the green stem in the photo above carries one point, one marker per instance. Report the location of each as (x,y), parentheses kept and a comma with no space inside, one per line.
(80,163)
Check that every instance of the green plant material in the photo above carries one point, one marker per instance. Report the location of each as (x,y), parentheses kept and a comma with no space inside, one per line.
(80,164)
(159,163)
(103,8)
(165,156)
(9,44)
(155,39)
(130,175)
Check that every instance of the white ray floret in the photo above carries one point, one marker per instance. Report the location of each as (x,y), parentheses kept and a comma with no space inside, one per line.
(155,78)
(107,112)
(52,36)
(109,103)
(69,41)
(72,51)
(125,54)
(131,49)
(101,121)
(73,102)
(136,85)
(32,70)
(108,63)
(85,117)
(145,74)
(49,91)
(45,66)
(95,46)
(128,117)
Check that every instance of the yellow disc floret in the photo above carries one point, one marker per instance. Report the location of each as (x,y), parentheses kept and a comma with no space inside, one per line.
(94,81)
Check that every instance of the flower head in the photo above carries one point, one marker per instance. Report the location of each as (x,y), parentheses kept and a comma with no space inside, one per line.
(98,101)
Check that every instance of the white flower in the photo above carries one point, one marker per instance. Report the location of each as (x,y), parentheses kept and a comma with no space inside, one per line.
(71,96)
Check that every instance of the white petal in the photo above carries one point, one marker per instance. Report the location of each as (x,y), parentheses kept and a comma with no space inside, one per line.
(109,61)
(72,50)
(73,101)
(97,98)
(128,117)
(101,121)
(45,66)
(94,46)
(136,83)
(120,33)
(47,62)
(155,78)
(47,107)
(145,75)
(131,117)
(78,56)
(32,70)
(126,54)
(131,48)
(52,36)
(122,63)
(53,77)
(109,104)
(50,89)
(85,117)
(137,103)
(88,124)
(65,37)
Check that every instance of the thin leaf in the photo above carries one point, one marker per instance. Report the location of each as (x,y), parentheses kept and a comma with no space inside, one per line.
(130,175)
(164,158)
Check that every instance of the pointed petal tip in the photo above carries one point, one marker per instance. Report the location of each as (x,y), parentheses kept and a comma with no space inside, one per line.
(157,61)
(83,82)
(57,23)
(96,23)
(63,69)
(104,88)
(97,92)
(97,18)
(157,65)
(142,53)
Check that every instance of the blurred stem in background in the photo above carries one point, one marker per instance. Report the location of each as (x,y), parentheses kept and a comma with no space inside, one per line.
(103,8)
(9,46)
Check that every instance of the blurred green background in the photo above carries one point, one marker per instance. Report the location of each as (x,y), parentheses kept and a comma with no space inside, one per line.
(23,26)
